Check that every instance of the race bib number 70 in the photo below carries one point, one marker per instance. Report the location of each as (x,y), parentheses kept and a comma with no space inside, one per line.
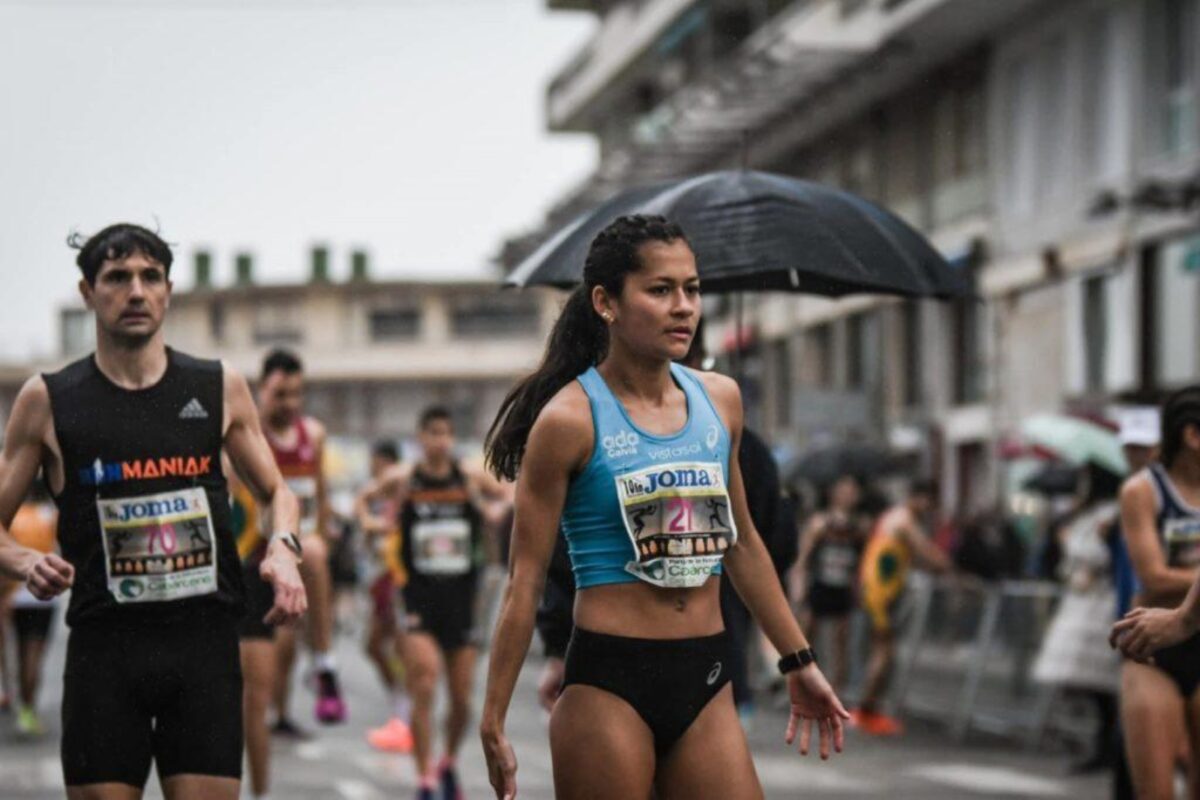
(158,547)
(678,518)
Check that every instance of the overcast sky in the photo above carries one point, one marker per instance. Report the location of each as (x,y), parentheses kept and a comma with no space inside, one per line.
(413,128)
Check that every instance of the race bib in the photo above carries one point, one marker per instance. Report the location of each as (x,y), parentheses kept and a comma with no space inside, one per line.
(159,547)
(838,566)
(678,518)
(442,546)
(305,489)
(1183,541)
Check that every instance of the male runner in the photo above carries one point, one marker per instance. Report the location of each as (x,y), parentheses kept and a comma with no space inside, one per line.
(298,443)
(444,506)
(130,441)
(385,637)
(897,538)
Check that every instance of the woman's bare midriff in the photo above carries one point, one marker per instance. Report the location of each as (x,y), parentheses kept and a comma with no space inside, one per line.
(642,611)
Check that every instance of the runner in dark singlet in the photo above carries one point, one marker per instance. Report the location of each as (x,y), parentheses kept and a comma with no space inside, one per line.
(1160,518)
(130,439)
(443,508)
(826,572)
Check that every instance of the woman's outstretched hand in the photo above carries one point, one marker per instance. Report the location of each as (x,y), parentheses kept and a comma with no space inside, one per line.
(501,763)
(814,701)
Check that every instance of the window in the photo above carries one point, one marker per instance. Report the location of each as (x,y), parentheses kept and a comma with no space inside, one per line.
(1171,49)
(910,319)
(393,324)
(1178,304)
(1106,115)
(856,368)
(1095,332)
(277,324)
(967,349)
(505,315)
(820,346)
(1021,111)
(781,368)
(78,332)
(216,321)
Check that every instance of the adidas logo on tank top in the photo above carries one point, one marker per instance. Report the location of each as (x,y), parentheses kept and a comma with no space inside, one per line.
(193,410)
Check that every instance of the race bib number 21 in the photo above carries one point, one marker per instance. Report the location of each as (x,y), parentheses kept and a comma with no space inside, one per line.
(678,518)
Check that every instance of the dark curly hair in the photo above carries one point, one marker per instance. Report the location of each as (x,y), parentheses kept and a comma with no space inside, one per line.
(1179,410)
(579,339)
(116,242)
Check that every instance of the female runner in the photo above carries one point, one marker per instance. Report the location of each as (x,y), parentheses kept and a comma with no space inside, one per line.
(631,453)
(1160,516)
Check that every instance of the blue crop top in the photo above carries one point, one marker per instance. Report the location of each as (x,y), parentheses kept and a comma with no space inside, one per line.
(648,507)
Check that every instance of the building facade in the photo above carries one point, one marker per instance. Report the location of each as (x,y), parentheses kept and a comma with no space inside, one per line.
(1051,147)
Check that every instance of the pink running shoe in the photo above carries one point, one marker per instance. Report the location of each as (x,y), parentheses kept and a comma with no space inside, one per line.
(331,709)
(394,737)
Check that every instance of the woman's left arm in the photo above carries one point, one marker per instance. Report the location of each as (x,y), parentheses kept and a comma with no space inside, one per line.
(753,574)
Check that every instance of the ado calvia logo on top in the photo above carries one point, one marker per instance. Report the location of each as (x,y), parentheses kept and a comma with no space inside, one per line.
(621,444)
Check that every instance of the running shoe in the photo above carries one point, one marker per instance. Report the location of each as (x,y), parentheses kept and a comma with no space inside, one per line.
(451,790)
(876,724)
(284,728)
(28,723)
(331,709)
(394,737)
(427,793)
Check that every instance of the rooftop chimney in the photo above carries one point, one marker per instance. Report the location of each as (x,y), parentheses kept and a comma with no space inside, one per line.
(320,264)
(244,266)
(203,272)
(358,265)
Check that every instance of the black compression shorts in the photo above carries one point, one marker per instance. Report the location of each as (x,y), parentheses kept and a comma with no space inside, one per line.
(443,609)
(171,694)
(260,596)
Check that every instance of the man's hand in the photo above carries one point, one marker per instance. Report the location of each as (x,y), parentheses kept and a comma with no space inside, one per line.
(283,573)
(48,576)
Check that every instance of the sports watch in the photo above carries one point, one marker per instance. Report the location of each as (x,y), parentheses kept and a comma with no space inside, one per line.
(291,542)
(797,660)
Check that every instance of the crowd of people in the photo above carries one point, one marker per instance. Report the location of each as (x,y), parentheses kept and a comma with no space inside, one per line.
(646,537)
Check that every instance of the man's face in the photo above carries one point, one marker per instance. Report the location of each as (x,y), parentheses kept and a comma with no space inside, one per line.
(437,439)
(380,464)
(281,397)
(130,297)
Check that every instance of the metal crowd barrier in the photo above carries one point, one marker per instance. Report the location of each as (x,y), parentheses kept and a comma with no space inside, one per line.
(965,654)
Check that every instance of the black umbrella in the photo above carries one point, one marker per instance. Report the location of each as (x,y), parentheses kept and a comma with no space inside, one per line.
(1053,479)
(825,465)
(756,231)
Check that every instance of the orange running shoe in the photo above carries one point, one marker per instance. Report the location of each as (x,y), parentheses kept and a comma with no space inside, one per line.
(876,724)
(394,737)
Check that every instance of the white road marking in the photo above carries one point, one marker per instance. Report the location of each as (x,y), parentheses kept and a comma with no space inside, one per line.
(311,751)
(994,780)
(356,790)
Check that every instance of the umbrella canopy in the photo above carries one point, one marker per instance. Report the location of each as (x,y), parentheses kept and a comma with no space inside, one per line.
(757,231)
(1076,440)
(825,465)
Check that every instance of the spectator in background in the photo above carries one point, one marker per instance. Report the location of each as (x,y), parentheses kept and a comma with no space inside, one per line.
(989,548)
(33,526)
(1075,655)
(824,578)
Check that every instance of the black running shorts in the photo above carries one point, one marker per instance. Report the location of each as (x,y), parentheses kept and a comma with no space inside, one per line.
(260,597)
(444,609)
(167,693)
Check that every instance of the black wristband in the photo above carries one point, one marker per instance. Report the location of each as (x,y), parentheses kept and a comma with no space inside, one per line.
(797,660)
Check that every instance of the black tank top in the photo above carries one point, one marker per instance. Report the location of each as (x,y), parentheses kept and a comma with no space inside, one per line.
(835,558)
(1178,522)
(441,528)
(144,512)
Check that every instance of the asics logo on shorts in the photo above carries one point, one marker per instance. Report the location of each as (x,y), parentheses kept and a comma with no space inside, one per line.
(714,673)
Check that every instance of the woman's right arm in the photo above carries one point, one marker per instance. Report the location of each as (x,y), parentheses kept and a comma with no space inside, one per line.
(1162,584)
(558,443)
